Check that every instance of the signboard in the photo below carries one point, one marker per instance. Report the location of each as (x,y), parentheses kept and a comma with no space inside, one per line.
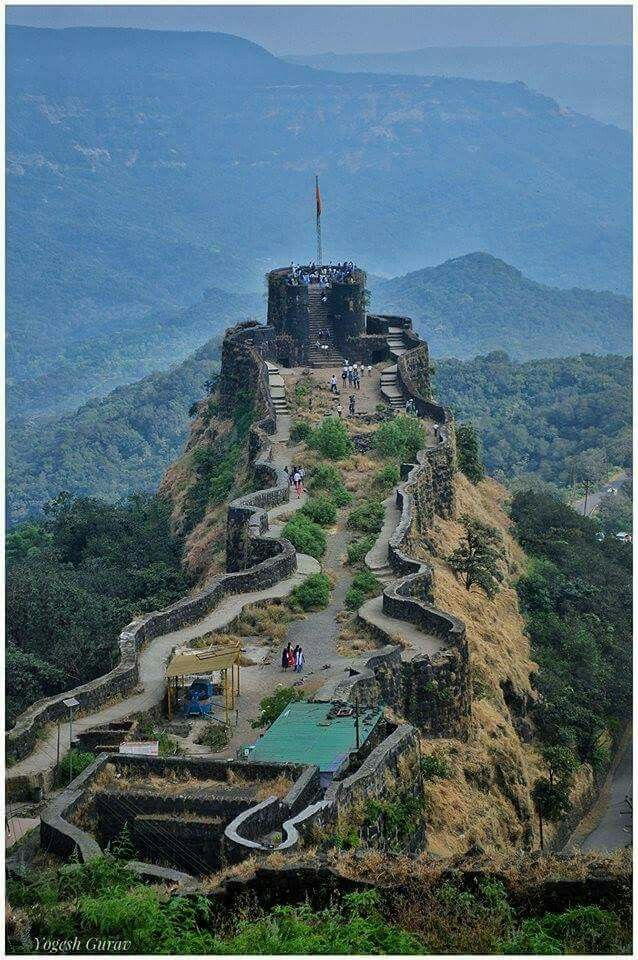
(141,748)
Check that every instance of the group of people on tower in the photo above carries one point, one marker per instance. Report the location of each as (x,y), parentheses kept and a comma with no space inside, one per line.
(332,273)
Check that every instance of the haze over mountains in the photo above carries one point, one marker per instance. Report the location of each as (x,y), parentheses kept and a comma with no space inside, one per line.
(472,305)
(477,303)
(594,79)
(145,167)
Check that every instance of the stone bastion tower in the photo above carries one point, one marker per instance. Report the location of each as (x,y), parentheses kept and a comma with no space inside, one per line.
(318,312)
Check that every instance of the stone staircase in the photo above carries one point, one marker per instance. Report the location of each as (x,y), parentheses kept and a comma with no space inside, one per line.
(396,341)
(277,389)
(319,320)
(391,389)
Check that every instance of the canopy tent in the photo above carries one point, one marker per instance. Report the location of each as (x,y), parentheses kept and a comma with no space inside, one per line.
(188,663)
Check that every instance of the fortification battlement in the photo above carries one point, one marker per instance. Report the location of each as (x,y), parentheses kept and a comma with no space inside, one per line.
(316,310)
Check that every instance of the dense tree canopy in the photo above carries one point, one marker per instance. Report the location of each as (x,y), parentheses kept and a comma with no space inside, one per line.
(74,580)
(548,419)
(577,599)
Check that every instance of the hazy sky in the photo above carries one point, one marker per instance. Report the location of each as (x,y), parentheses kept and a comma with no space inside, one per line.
(317,29)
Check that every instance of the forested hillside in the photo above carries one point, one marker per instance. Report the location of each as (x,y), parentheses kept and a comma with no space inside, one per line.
(544,418)
(116,353)
(477,303)
(591,78)
(145,167)
(111,447)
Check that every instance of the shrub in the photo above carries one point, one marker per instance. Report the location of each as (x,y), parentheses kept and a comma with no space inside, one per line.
(271,707)
(366,581)
(388,476)
(434,767)
(400,438)
(468,452)
(305,536)
(313,593)
(582,930)
(331,439)
(358,549)
(215,736)
(73,764)
(300,431)
(327,478)
(320,510)
(367,516)
(354,598)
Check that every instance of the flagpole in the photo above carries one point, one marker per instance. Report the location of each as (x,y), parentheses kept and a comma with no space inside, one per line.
(318,200)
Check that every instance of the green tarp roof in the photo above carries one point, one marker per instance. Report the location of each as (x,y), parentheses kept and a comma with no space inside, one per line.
(303,734)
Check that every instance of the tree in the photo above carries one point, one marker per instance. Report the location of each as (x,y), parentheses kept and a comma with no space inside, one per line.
(331,439)
(468,452)
(478,556)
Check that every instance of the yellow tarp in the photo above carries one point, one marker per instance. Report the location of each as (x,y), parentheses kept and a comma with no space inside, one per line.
(203,661)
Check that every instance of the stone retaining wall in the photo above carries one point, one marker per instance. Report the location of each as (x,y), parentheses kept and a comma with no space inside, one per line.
(256,562)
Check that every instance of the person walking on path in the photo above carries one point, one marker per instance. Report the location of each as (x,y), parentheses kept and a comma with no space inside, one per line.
(285,658)
(350,375)
(344,376)
(333,383)
(299,658)
(291,657)
(357,381)
(369,369)
(351,408)
(297,478)
(339,410)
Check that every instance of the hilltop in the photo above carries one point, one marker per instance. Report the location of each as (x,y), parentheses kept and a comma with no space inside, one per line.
(478,303)
(145,167)
(591,78)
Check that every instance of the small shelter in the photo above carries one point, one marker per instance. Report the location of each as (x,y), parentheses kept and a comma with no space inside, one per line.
(190,663)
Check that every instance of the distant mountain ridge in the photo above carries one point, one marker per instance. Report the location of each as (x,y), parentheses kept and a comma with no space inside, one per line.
(594,79)
(144,167)
(477,303)
(110,447)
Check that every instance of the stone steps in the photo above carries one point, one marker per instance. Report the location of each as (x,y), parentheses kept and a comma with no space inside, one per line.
(277,387)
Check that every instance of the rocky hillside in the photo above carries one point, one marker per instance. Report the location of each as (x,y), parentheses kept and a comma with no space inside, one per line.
(477,303)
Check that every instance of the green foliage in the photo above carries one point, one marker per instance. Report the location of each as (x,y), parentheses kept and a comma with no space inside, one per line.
(271,707)
(103,899)
(215,736)
(72,765)
(305,536)
(357,926)
(468,452)
(300,431)
(434,767)
(320,510)
(615,511)
(478,556)
(583,930)
(551,799)
(102,564)
(364,585)
(400,438)
(312,594)
(216,464)
(544,419)
(110,447)
(575,597)
(354,598)
(388,476)
(367,516)
(398,816)
(328,478)
(331,439)
(359,548)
